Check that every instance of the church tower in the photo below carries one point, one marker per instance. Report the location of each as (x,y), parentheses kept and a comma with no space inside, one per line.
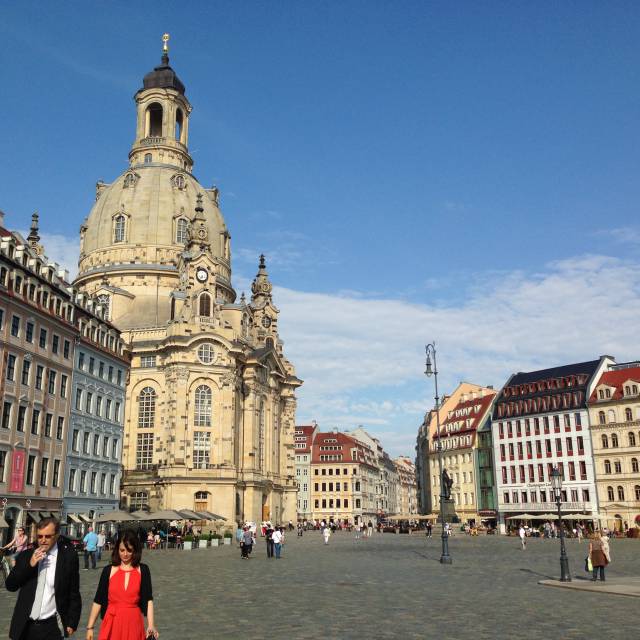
(210,411)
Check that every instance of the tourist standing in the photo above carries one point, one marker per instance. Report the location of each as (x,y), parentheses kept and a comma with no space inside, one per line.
(300,529)
(90,548)
(269,531)
(599,555)
(369,529)
(523,538)
(124,595)
(49,583)
(247,542)
(357,530)
(429,529)
(326,534)
(276,538)
(102,539)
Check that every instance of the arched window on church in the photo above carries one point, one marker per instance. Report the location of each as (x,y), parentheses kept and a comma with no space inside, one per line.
(202,406)
(154,120)
(205,305)
(119,228)
(148,158)
(182,231)
(179,124)
(147,408)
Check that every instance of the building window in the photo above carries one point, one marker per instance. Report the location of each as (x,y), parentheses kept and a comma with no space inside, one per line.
(614,440)
(63,386)
(75,440)
(206,353)
(201,447)
(44,466)
(26,368)
(620,493)
(85,442)
(88,402)
(182,229)
(607,466)
(112,485)
(31,465)
(28,336)
(602,419)
(72,480)
(202,409)
(637,492)
(634,465)
(11,367)
(139,500)
(15,326)
(35,421)
(65,349)
(605,441)
(617,466)
(39,376)
(22,413)
(83,482)
(632,438)
(119,228)
(42,340)
(6,416)
(144,451)
(146,408)
(60,428)
(52,381)
(147,362)
(55,344)
(205,305)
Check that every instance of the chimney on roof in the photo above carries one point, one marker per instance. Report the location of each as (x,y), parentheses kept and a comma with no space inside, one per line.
(2,218)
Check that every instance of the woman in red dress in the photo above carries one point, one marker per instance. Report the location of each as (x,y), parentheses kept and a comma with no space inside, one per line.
(124,595)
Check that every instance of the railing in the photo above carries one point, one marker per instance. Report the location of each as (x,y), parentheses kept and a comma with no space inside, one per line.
(151,140)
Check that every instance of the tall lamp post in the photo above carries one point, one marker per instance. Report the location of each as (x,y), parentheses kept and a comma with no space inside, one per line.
(556,483)
(430,370)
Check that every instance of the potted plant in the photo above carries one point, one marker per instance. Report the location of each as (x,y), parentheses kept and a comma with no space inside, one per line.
(188,542)
(228,536)
(215,539)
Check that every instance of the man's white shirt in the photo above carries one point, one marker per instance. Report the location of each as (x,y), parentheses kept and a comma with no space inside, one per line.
(48,564)
(276,537)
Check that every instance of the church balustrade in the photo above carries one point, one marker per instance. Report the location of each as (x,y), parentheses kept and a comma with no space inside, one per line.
(151,140)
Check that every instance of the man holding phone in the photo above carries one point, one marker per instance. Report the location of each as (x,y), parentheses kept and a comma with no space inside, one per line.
(48,577)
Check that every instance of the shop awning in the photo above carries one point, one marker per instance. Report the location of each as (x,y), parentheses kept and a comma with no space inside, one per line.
(212,516)
(74,518)
(3,523)
(84,517)
(45,514)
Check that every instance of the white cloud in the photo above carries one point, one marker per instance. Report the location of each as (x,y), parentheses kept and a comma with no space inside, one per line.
(363,360)
(624,235)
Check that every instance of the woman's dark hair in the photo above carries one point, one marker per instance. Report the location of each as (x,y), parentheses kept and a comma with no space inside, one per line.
(131,541)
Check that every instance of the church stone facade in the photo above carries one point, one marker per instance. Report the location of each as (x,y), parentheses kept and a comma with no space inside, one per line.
(210,402)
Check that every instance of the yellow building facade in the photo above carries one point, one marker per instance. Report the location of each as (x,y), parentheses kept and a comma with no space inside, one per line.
(614,415)
(210,407)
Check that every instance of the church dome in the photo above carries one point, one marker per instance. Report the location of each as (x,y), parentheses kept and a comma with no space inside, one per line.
(144,217)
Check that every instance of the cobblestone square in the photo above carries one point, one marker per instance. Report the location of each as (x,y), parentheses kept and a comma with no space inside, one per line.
(388,586)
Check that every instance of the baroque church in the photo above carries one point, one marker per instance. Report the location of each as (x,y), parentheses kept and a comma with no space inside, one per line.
(210,403)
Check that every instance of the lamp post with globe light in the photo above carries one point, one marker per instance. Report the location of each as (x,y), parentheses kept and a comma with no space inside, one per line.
(430,370)
(556,484)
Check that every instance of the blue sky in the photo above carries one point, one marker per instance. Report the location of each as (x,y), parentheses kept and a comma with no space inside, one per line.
(465,172)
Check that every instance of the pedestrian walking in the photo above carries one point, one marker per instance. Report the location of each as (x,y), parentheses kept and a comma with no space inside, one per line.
(300,529)
(356,529)
(239,535)
(124,595)
(269,531)
(90,548)
(277,537)
(102,539)
(48,578)
(523,537)
(369,529)
(599,555)
(429,529)
(247,542)
(326,534)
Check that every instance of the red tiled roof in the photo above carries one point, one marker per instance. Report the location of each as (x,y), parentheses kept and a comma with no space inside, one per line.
(472,410)
(616,379)
(306,431)
(347,444)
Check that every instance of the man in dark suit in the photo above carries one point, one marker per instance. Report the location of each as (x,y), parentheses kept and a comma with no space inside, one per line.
(48,577)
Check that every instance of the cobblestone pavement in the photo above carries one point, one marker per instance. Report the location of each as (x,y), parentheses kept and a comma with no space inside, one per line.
(388,586)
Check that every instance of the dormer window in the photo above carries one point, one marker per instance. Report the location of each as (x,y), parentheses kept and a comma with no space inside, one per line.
(119,228)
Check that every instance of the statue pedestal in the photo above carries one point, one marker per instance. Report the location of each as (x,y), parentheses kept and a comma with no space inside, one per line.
(449,509)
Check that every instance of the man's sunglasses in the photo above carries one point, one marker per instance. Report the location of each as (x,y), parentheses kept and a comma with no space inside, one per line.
(46,536)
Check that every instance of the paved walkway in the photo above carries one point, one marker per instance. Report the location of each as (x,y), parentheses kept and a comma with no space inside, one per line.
(389,586)
(613,586)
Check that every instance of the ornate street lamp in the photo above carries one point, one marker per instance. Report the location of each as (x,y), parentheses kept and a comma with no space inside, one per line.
(556,484)
(432,370)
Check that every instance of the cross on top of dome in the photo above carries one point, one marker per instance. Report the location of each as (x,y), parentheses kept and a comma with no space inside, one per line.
(163,77)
